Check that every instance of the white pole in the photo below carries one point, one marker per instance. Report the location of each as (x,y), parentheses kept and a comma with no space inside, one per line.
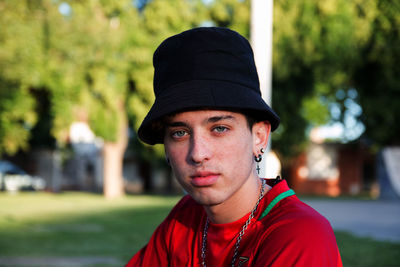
(261,41)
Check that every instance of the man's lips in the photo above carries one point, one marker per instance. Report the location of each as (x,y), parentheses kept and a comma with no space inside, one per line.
(204,178)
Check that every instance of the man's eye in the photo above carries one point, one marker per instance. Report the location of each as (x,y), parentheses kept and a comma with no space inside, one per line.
(178,134)
(220,129)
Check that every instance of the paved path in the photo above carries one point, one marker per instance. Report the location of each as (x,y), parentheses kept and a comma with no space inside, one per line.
(376,219)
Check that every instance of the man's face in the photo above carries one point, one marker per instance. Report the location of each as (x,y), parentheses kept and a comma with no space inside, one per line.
(211,153)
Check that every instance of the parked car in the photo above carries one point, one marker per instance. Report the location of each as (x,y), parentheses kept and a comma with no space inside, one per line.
(13,178)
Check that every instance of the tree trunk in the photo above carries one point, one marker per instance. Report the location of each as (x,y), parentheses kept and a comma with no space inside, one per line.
(113,153)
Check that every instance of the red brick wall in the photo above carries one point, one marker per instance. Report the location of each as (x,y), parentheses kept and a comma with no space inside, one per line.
(350,165)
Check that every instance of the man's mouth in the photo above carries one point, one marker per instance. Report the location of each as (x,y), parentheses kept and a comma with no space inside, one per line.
(204,178)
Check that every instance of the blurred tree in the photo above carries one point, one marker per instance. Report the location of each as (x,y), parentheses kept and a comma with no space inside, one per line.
(314,54)
(20,55)
(233,14)
(377,78)
(87,64)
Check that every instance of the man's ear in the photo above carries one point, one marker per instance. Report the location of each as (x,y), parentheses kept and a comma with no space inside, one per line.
(260,131)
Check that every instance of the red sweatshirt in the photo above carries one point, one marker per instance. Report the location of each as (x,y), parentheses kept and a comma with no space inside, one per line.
(289,234)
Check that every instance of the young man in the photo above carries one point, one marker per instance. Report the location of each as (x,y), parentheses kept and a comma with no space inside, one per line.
(215,126)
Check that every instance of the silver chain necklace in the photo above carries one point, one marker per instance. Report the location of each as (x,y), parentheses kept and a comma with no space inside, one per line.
(241,233)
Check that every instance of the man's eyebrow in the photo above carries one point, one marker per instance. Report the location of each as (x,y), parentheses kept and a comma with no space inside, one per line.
(219,118)
(208,120)
(175,124)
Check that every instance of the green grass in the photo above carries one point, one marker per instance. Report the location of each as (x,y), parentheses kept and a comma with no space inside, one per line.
(367,252)
(78,224)
(87,225)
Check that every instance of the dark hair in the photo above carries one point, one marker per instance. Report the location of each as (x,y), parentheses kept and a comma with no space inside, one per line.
(250,121)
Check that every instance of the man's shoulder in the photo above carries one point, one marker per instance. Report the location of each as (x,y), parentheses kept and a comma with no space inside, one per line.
(294,230)
(294,213)
(294,221)
(287,208)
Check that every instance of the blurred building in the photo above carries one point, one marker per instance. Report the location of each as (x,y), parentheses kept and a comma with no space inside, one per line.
(84,169)
(333,169)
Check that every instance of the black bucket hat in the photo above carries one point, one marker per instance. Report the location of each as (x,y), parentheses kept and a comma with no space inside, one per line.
(206,67)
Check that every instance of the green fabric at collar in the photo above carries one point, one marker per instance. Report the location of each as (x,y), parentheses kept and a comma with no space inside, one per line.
(278,198)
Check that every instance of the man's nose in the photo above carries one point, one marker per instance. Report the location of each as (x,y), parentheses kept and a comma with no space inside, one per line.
(200,149)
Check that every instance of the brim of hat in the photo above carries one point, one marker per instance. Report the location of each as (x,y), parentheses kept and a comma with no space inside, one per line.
(201,94)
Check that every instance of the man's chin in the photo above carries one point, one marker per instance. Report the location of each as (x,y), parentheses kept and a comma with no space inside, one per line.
(206,200)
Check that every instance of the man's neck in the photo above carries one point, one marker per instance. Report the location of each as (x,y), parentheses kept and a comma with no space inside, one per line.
(239,204)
